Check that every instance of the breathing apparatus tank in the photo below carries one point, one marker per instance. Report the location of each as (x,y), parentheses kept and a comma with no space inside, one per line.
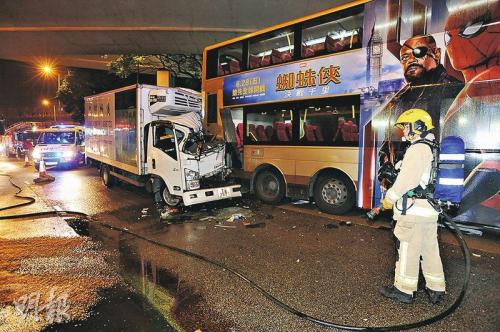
(449,183)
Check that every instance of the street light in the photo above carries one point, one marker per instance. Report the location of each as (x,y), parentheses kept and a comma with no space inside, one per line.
(48,70)
(46,103)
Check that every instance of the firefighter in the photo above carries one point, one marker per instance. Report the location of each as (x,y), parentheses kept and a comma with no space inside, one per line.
(416,219)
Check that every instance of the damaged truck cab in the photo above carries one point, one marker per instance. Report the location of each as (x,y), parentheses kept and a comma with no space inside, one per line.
(152,136)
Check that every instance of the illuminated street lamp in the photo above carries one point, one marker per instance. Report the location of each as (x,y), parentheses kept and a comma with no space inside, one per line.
(46,103)
(48,70)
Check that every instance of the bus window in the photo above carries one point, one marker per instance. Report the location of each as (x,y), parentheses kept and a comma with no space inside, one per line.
(329,125)
(230,59)
(330,34)
(276,47)
(269,126)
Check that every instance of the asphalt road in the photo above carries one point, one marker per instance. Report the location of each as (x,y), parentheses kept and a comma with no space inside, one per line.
(330,273)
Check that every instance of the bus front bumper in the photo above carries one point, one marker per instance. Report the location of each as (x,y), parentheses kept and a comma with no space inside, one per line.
(212,194)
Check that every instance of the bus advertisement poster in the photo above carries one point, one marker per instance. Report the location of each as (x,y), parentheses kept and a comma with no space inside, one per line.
(314,78)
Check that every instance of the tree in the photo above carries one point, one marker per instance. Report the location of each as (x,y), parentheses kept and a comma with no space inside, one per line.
(179,65)
(85,82)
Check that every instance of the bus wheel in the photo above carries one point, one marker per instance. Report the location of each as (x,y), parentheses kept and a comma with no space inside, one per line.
(169,199)
(334,194)
(269,187)
(107,178)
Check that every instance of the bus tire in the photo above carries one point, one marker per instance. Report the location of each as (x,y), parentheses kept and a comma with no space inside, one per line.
(107,178)
(334,193)
(269,187)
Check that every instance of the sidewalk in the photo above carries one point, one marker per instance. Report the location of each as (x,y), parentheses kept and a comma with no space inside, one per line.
(48,273)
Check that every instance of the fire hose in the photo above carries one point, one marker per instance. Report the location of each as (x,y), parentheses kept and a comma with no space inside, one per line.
(253,284)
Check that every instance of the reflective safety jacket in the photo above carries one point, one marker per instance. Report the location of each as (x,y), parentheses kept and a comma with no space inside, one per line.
(415,170)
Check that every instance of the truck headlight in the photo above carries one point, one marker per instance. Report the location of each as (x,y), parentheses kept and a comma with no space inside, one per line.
(191,175)
(192,179)
(36,154)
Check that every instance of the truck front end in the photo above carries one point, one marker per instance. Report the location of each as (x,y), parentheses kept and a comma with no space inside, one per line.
(205,174)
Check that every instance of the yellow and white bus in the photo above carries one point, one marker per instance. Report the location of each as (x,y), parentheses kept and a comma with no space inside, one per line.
(307,105)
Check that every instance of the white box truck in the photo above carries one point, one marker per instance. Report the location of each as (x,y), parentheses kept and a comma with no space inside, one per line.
(148,135)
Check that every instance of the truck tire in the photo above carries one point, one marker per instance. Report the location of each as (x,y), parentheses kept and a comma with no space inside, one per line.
(269,187)
(334,193)
(107,178)
(169,199)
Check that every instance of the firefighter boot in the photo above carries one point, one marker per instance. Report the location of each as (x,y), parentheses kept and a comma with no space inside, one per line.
(434,296)
(395,294)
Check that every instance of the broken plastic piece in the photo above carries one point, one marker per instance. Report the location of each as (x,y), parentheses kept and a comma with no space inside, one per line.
(236,217)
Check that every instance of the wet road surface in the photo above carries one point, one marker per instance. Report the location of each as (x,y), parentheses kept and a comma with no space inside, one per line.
(331,273)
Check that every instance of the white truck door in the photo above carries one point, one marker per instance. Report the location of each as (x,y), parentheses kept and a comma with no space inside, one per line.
(163,156)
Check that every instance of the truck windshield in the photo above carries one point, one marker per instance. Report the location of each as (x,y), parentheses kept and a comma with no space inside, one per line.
(59,137)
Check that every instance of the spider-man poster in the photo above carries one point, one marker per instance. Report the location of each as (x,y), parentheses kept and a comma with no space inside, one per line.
(445,57)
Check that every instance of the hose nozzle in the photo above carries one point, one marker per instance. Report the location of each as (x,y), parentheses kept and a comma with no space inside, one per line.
(373,213)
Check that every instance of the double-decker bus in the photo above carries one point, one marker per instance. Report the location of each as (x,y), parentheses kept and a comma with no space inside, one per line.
(308,106)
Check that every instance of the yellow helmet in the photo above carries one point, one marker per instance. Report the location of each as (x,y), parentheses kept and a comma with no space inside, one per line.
(418,119)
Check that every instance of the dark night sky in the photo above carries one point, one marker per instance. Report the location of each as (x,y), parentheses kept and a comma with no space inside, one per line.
(22,90)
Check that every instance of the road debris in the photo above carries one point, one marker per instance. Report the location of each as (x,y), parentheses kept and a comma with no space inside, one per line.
(476,255)
(330,226)
(300,202)
(224,226)
(236,217)
(209,218)
(257,225)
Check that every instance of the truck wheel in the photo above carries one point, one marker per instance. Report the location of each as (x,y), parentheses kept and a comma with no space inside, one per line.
(269,187)
(169,199)
(107,178)
(334,194)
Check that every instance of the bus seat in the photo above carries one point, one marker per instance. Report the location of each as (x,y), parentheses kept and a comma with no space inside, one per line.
(239,135)
(234,66)
(269,132)
(222,71)
(280,57)
(354,132)
(333,45)
(288,129)
(254,61)
(266,60)
(318,134)
(338,133)
(310,133)
(307,51)
(281,132)
(261,133)
(252,133)
(351,132)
